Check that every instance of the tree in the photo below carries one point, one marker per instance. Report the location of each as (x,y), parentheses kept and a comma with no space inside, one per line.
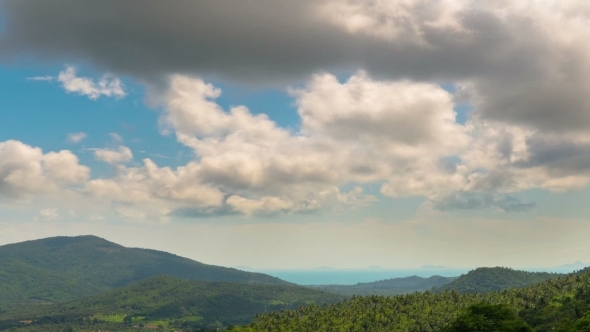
(489,318)
(127,320)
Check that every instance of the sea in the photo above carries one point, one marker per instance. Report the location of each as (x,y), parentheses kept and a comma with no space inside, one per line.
(354,276)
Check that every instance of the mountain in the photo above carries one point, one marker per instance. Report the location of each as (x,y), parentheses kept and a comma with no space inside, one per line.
(574,266)
(560,304)
(486,279)
(64,268)
(170,302)
(388,287)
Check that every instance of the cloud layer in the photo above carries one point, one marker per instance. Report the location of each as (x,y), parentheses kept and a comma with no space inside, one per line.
(402,134)
(522,67)
(524,62)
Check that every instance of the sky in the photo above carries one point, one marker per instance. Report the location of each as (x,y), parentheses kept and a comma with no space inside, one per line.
(283,134)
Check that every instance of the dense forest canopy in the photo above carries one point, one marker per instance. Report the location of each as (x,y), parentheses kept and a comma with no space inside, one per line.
(559,304)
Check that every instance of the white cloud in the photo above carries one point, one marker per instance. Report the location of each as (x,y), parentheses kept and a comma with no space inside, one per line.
(76,137)
(116,137)
(41,78)
(108,85)
(49,214)
(255,166)
(26,171)
(400,133)
(121,155)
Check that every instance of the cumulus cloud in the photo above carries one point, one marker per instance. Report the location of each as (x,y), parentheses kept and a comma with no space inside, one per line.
(121,155)
(108,85)
(247,164)
(76,137)
(26,170)
(401,134)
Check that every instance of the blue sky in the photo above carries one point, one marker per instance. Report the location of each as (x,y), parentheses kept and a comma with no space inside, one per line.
(442,155)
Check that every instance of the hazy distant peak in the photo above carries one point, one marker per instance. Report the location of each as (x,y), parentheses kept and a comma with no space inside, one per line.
(576,265)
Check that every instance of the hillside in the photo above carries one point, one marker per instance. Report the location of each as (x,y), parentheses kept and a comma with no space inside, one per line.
(170,301)
(486,279)
(64,268)
(388,287)
(561,304)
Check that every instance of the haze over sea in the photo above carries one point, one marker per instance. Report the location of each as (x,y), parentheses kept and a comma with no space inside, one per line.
(329,276)
(354,276)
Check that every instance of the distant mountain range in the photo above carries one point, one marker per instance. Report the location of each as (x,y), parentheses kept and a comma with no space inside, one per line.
(389,287)
(65,268)
(574,266)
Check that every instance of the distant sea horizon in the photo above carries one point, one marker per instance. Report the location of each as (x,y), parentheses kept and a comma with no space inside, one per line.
(354,276)
(330,276)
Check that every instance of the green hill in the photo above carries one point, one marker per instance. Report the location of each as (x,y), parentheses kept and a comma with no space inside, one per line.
(486,279)
(561,304)
(64,268)
(170,302)
(388,287)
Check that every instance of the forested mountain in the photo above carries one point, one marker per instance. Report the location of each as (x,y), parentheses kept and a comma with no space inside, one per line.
(486,279)
(64,268)
(169,302)
(388,287)
(560,304)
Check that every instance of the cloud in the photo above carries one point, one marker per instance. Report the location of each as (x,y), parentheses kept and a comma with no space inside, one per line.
(399,134)
(245,163)
(49,214)
(41,78)
(121,155)
(76,137)
(471,201)
(116,137)
(26,171)
(524,63)
(108,85)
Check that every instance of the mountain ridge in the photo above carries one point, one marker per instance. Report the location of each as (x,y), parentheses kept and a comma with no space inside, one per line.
(72,267)
(486,279)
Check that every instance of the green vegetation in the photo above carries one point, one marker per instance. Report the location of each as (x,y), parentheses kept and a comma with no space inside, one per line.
(89,284)
(487,279)
(389,287)
(560,304)
(64,268)
(489,318)
(170,302)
